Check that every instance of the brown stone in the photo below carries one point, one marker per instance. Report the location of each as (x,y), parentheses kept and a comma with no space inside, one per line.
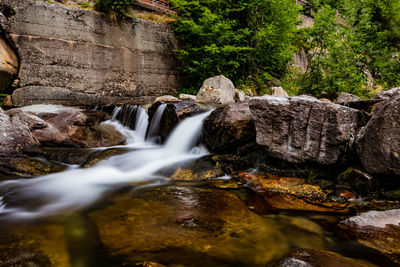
(8,65)
(7,102)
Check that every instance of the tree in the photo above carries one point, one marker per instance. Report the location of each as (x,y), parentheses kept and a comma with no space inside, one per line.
(249,41)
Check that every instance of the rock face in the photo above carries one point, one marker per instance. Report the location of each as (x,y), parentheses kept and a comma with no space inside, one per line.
(228,128)
(217,90)
(69,54)
(8,65)
(300,129)
(378,143)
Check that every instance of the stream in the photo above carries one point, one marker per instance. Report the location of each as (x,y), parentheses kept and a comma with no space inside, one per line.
(124,211)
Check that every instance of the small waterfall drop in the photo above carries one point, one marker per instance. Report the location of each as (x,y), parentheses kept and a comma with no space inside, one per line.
(77,188)
(154,127)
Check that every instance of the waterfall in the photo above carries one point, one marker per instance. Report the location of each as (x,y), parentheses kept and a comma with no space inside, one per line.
(75,189)
(154,127)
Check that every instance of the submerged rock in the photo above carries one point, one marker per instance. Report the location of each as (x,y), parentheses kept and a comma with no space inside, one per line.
(378,143)
(379,230)
(200,169)
(28,167)
(179,226)
(217,90)
(299,129)
(101,155)
(228,128)
(308,257)
(293,193)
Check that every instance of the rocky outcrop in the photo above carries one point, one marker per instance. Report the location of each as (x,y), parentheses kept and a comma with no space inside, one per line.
(54,125)
(228,128)
(346,97)
(75,56)
(300,129)
(378,143)
(387,94)
(8,65)
(278,91)
(217,90)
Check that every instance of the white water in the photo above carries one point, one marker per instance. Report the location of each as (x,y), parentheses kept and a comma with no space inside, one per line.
(154,127)
(77,188)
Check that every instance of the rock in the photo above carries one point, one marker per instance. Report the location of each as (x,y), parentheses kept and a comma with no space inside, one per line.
(187,97)
(210,226)
(362,105)
(228,128)
(378,143)
(325,100)
(278,91)
(66,126)
(387,94)
(346,97)
(217,90)
(28,167)
(15,138)
(83,58)
(379,230)
(308,97)
(173,114)
(75,156)
(8,65)
(101,155)
(308,257)
(293,193)
(249,93)
(358,181)
(7,102)
(239,96)
(300,129)
(166,98)
(201,169)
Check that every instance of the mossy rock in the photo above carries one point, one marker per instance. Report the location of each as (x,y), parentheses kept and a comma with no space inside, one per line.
(28,167)
(102,155)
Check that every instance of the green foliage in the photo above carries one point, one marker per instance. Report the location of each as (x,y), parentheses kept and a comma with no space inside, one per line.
(119,8)
(352,43)
(85,5)
(249,41)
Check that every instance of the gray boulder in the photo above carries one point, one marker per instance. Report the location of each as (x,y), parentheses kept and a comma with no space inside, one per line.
(228,128)
(378,143)
(217,90)
(239,96)
(300,129)
(278,91)
(387,94)
(346,97)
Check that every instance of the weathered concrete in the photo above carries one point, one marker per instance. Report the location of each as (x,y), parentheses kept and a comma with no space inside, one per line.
(80,52)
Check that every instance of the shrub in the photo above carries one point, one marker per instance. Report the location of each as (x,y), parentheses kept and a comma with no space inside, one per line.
(119,8)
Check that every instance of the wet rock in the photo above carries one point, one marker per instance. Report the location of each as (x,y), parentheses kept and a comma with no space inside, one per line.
(200,169)
(239,96)
(217,90)
(308,257)
(228,128)
(15,138)
(74,156)
(278,91)
(179,226)
(8,65)
(358,181)
(384,95)
(346,97)
(55,125)
(28,167)
(293,193)
(299,129)
(378,143)
(101,155)
(173,114)
(166,98)
(379,230)
(187,97)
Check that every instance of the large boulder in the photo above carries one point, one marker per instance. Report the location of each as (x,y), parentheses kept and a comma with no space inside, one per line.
(387,94)
(217,90)
(346,97)
(278,91)
(8,65)
(229,128)
(301,129)
(378,143)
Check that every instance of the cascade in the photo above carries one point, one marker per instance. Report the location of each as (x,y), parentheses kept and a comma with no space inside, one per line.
(154,127)
(77,188)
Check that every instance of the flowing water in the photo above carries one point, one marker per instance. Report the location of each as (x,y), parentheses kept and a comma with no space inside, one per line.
(124,211)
